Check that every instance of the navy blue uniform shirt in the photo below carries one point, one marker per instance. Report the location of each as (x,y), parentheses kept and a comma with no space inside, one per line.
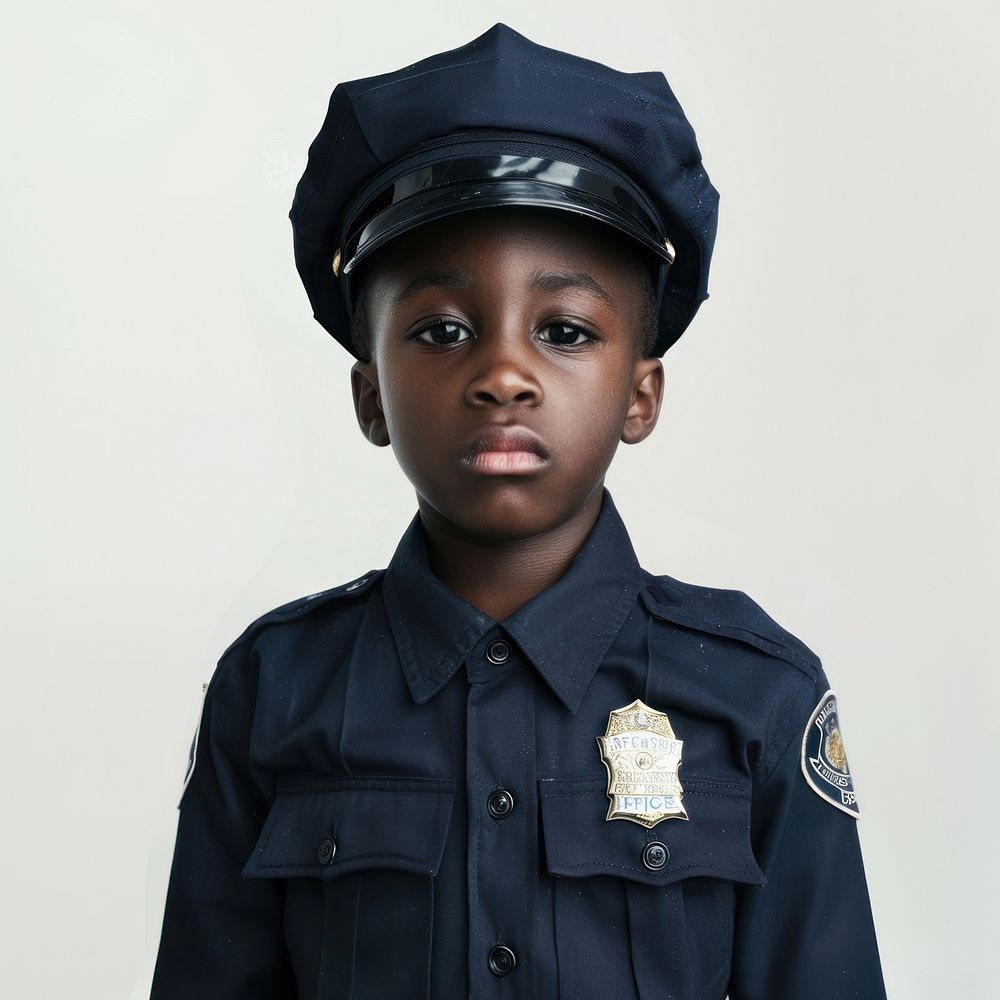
(395,796)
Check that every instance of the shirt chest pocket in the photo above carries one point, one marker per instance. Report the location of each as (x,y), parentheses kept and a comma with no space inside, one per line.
(664,897)
(360,856)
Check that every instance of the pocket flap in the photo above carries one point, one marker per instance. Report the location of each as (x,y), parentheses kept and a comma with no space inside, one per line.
(715,841)
(328,828)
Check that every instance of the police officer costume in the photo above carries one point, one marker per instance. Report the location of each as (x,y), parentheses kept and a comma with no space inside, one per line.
(632,787)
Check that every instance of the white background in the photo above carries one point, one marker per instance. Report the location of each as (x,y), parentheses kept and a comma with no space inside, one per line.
(180,451)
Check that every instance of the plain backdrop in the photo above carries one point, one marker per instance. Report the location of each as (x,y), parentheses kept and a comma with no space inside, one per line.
(180,453)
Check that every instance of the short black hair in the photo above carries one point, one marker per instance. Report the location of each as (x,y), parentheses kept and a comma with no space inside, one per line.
(646,274)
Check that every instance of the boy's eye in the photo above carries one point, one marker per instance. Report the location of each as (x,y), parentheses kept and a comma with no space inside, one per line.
(442,333)
(566,335)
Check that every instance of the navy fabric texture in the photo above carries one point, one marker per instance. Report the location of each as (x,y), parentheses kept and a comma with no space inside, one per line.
(503,81)
(336,837)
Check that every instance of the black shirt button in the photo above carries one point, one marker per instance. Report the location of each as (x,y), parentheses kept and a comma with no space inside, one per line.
(654,855)
(502,960)
(500,803)
(498,651)
(326,850)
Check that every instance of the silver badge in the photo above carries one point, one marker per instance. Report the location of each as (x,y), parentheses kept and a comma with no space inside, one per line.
(642,755)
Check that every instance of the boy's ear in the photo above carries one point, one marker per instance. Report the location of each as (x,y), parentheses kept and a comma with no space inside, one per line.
(647,396)
(367,404)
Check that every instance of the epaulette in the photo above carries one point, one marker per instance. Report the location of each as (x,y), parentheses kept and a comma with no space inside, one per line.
(726,612)
(291,610)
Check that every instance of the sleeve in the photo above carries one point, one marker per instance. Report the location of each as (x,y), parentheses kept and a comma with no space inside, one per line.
(222,935)
(808,934)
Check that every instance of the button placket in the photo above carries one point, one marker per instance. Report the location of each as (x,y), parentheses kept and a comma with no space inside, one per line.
(500,724)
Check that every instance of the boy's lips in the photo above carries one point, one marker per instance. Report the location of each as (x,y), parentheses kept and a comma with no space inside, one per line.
(501,450)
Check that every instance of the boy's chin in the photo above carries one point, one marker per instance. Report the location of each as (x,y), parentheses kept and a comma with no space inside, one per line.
(503,514)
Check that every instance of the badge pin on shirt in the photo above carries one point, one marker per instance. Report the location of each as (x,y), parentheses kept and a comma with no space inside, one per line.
(642,755)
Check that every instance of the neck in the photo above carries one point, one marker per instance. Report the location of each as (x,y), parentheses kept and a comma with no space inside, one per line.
(499,575)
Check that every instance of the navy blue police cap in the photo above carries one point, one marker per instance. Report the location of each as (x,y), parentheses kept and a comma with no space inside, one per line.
(504,121)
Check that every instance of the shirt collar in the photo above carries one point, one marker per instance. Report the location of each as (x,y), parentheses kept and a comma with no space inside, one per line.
(564,631)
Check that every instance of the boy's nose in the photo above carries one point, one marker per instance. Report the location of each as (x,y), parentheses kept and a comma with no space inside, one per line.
(504,374)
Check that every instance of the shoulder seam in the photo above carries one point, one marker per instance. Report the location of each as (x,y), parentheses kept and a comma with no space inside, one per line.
(770,644)
(291,610)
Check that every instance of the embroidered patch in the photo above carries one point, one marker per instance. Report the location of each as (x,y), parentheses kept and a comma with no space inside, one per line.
(193,752)
(642,754)
(824,759)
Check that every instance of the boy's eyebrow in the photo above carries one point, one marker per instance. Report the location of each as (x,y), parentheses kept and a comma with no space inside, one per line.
(439,279)
(543,280)
(557,280)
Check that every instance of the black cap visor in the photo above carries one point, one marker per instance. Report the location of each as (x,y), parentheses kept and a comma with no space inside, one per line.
(460,185)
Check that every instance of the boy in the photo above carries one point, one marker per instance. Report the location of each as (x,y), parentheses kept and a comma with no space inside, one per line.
(514,763)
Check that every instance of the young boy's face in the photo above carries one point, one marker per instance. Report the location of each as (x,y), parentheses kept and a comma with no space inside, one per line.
(505,366)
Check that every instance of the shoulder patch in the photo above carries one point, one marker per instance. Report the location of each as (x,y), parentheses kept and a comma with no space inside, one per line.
(824,759)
